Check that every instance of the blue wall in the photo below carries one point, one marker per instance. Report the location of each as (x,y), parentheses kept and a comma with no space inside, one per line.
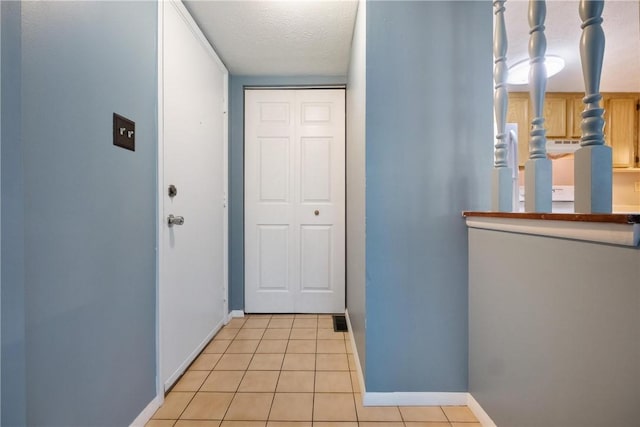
(13,320)
(236,169)
(89,212)
(428,158)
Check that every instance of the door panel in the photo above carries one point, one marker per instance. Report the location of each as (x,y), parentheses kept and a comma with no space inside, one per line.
(316,243)
(192,272)
(315,169)
(274,172)
(294,181)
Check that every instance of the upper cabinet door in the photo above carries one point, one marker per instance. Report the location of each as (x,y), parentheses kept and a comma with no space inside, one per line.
(621,133)
(555,116)
(578,108)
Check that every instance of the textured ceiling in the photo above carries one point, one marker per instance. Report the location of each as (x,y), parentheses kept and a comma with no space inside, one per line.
(284,38)
(621,69)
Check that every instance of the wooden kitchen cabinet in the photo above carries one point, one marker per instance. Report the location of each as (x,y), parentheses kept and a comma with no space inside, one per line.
(555,115)
(518,112)
(563,120)
(577,107)
(621,130)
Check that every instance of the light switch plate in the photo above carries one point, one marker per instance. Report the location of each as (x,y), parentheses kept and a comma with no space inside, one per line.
(124,132)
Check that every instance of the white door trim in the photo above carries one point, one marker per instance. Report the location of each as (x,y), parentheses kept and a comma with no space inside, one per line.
(160,268)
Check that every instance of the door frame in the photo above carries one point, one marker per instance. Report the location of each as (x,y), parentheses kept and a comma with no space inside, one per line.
(160,224)
(244,171)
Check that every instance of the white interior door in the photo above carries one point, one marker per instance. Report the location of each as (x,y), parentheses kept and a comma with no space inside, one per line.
(295,201)
(192,255)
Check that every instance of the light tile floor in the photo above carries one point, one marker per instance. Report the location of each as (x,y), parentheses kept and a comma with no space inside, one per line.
(285,371)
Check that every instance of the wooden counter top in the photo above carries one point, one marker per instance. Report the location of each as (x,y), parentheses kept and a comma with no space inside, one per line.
(622,218)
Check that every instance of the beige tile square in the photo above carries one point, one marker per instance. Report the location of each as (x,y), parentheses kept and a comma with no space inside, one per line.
(236,322)
(257,322)
(272,346)
(266,362)
(380,424)
(160,423)
(303,334)
(250,407)
(376,413)
(243,424)
(233,362)
(173,405)
(349,346)
(222,381)
(331,346)
(332,362)
(227,334)
(299,362)
(197,423)
(284,316)
(334,407)
(243,346)
(352,362)
(217,346)
(329,334)
(289,424)
(259,381)
(280,323)
(207,406)
(422,413)
(335,424)
(461,414)
(306,316)
(276,334)
(295,382)
(465,425)
(325,323)
(355,382)
(301,346)
(205,362)
(310,323)
(429,424)
(190,381)
(333,382)
(292,407)
(250,334)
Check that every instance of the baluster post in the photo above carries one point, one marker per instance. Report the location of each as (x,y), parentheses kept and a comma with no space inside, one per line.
(537,170)
(502,197)
(593,167)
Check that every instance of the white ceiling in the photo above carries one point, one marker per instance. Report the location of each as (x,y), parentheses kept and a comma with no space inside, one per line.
(313,37)
(279,38)
(621,68)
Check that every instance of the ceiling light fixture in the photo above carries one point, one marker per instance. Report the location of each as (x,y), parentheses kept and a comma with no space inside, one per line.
(519,72)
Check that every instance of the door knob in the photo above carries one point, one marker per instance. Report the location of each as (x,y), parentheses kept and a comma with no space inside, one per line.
(175,220)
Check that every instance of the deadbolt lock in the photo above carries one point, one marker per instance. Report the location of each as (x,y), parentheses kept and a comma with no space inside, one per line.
(173,191)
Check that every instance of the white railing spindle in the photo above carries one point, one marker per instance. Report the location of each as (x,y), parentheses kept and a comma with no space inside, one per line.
(502,199)
(593,166)
(538,167)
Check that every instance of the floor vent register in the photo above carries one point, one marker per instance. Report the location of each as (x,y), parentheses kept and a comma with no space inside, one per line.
(340,324)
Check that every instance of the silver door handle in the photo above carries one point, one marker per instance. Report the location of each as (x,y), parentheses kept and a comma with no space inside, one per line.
(175,220)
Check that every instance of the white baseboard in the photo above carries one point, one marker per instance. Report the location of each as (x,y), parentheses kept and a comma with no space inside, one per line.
(354,350)
(415,398)
(480,414)
(236,313)
(148,412)
(183,367)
